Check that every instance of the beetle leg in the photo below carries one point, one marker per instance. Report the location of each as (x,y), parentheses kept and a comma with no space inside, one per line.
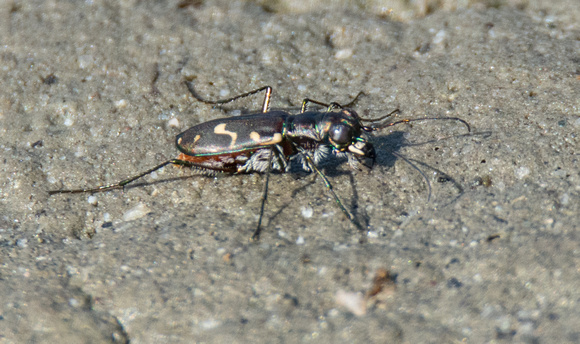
(122,183)
(308,100)
(256,235)
(330,106)
(313,167)
(265,105)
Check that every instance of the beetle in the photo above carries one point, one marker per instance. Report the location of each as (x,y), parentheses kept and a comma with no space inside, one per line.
(271,140)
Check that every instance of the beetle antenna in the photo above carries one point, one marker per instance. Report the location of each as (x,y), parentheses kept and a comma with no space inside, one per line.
(390,124)
(372,120)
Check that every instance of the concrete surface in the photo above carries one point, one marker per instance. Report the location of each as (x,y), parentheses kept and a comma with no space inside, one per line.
(92,92)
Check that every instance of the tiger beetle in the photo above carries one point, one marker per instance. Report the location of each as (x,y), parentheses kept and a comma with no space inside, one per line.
(270,140)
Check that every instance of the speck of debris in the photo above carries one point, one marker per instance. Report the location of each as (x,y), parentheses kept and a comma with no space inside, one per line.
(50,79)
(454,283)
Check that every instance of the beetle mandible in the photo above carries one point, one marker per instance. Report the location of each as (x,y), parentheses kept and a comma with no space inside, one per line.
(270,140)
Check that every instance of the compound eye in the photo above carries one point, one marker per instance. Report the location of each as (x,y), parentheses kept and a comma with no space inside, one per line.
(341,134)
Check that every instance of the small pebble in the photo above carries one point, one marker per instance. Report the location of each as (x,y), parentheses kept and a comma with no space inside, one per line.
(173,123)
(122,103)
(521,172)
(354,302)
(307,212)
(136,212)
(22,243)
(343,54)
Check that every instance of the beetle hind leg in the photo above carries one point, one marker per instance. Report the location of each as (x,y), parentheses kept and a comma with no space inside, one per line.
(265,105)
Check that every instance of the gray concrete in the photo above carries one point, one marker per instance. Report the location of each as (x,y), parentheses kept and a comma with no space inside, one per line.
(92,92)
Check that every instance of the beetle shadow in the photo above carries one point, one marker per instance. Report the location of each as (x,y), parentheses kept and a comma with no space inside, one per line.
(388,149)
(393,144)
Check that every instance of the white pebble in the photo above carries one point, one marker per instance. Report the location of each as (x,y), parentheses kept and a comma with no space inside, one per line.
(86,61)
(343,54)
(354,302)
(136,212)
(522,172)
(73,302)
(307,212)
(173,123)
(209,324)
(439,37)
(565,199)
(122,103)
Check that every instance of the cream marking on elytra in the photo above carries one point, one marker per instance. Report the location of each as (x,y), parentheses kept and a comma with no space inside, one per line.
(196,138)
(255,136)
(220,129)
(276,138)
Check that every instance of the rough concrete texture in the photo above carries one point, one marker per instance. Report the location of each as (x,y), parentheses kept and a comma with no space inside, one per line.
(92,92)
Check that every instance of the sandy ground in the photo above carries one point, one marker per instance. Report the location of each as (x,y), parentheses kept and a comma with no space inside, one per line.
(92,92)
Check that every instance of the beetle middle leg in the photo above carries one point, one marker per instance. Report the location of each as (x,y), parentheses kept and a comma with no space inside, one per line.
(256,235)
(330,106)
(265,105)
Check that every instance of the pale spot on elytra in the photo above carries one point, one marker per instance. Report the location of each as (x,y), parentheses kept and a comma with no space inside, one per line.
(276,138)
(255,136)
(220,129)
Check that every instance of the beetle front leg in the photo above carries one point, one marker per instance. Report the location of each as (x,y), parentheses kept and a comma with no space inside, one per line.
(328,185)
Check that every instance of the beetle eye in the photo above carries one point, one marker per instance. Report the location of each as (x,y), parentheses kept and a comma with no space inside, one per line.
(341,134)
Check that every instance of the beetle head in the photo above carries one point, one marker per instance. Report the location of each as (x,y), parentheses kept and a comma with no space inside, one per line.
(345,135)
